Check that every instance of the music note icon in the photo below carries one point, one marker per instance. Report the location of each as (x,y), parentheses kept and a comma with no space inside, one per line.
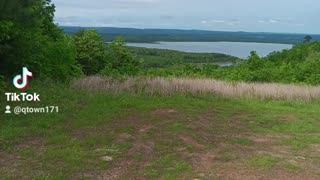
(21,81)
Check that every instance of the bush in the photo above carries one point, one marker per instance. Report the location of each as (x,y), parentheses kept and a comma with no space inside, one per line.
(89,51)
(60,62)
(121,60)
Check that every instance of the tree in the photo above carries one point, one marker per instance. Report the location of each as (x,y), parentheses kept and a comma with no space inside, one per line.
(120,58)
(29,37)
(89,51)
(307,39)
(254,61)
(60,62)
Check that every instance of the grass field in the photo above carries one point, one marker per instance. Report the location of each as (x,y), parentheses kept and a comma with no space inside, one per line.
(159,137)
(195,86)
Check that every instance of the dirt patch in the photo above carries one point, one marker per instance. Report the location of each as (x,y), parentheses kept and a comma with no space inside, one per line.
(122,168)
(189,141)
(144,148)
(161,112)
(10,165)
(242,116)
(311,134)
(240,173)
(117,171)
(203,162)
(6,158)
(315,148)
(260,140)
(125,136)
(37,143)
(286,117)
(278,136)
(267,139)
(146,128)
(84,133)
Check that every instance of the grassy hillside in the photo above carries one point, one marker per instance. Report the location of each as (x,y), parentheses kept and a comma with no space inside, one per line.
(147,137)
(166,119)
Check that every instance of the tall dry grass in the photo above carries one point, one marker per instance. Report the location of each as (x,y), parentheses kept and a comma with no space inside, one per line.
(167,87)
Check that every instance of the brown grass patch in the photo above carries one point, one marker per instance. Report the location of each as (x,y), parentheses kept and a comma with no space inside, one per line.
(167,87)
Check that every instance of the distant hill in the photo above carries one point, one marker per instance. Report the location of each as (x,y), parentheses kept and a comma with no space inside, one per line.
(153,35)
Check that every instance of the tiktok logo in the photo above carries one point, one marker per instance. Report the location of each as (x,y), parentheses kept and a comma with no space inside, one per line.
(21,81)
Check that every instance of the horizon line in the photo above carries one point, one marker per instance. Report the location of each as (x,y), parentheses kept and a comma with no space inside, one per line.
(297,33)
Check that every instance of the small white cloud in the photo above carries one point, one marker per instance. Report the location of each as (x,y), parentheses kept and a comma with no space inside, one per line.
(204,22)
(285,22)
(272,21)
(233,22)
(269,21)
(218,21)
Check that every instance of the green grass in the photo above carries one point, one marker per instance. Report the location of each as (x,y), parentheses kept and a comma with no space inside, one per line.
(293,167)
(240,141)
(263,162)
(167,167)
(177,127)
(64,145)
(299,142)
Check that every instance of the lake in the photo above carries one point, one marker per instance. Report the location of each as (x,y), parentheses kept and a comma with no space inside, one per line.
(237,49)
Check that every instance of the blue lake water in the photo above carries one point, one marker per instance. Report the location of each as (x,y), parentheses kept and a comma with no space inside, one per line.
(237,49)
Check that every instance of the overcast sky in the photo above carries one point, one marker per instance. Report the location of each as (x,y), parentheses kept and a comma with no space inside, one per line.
(294,16)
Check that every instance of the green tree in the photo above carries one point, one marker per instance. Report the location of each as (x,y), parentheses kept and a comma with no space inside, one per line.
(254,62)
(89,51)
(121,60)
(30,38)
(307,39)
(60,60)
(311,69)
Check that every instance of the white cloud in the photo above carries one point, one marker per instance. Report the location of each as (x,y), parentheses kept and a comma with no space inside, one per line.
(231,15)
(221,22)
(269,21)
(204,22)
(218,21)
(289,22)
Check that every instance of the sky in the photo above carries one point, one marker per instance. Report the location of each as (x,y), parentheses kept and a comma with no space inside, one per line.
(283,16)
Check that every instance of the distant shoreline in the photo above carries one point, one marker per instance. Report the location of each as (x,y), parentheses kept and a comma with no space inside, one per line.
(133,35)
(237,49)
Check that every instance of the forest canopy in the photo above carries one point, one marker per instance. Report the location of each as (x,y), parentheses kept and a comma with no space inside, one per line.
(29,37)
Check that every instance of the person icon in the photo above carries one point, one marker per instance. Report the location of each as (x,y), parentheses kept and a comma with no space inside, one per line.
(8,110)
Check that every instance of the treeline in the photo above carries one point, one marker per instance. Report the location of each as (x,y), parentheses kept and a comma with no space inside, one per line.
(29,37)
(160,58)
(156,35)
(300,65)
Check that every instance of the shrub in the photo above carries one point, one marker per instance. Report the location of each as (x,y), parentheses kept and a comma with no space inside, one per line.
(89,51)
(121,60)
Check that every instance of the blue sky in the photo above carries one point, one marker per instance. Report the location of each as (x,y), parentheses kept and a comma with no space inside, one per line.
(293,16)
